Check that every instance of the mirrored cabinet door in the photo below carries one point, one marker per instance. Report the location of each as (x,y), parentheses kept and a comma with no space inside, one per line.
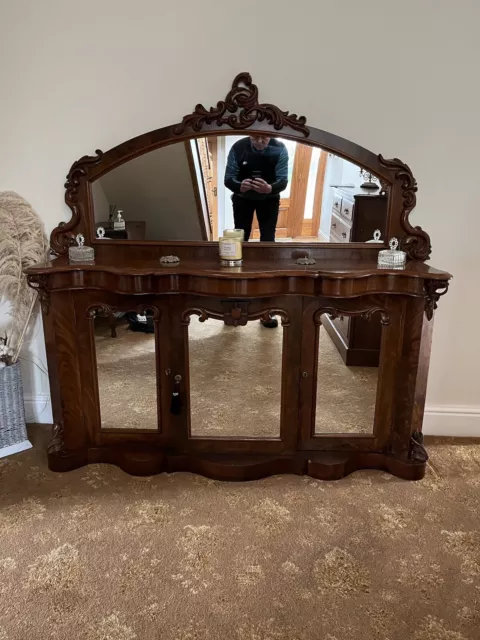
(126,367)
(345,405)
(345,396)
(235,378)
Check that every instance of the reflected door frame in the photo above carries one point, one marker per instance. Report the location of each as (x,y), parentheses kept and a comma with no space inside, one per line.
(242,311)
(291,220)
(393,311)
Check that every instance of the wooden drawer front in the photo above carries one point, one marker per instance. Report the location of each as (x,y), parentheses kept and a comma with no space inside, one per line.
(337,203)
(340,230)
(347,209)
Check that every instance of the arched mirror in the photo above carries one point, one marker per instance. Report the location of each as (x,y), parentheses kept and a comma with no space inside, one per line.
(273,188)
(246,165)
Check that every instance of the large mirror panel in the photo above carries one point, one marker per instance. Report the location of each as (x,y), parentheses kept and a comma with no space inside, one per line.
(274,189)
(345,395)
(235,378)
(126,369)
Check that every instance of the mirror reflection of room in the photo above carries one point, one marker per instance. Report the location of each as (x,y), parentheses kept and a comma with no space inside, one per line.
(235,378)
(126,370)
(274,189)
(346,394)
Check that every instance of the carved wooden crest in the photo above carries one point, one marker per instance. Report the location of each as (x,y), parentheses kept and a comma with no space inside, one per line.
(240,110)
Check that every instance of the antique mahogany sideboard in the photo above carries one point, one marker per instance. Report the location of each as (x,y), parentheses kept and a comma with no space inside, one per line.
(344,281)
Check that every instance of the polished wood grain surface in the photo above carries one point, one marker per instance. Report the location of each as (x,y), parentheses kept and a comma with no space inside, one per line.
(335,268)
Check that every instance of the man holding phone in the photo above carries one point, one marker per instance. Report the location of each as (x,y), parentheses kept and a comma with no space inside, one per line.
(257,172)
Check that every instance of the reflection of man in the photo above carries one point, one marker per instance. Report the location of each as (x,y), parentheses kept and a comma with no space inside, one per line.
(257,171)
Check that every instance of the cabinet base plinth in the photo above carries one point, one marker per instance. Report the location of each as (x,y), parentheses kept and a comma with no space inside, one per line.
(322,465)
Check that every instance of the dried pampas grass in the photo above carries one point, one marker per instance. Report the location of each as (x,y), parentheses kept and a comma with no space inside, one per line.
(22,244)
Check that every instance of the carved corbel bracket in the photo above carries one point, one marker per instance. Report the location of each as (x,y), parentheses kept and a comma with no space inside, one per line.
(240,110)
(39,283)
(434,289)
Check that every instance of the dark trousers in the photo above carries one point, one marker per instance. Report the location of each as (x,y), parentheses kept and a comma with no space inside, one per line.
(267,216)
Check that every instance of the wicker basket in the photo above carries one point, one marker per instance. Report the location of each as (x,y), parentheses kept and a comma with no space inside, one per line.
(13,432)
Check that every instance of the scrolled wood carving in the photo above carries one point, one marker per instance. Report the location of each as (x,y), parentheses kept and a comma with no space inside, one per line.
(240,110)
(367,314)
(283,315)
(417,451)
(109,311)
(96,309)
(434,289)
(417,241)
(235,314)
(39,283)
(62,237)
(56,446)
(194,311)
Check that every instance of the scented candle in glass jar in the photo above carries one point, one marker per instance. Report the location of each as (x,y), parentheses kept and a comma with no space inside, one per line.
(230,247)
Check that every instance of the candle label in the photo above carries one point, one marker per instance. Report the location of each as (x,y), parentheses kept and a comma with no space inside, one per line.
(228,250)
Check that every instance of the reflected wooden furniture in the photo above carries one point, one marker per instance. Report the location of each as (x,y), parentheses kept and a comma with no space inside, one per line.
(135,229)
(344,281)
(355,217)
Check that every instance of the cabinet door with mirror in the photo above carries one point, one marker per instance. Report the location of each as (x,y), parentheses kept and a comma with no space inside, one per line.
(242,365)
(274,189)
(343,406)
(123,342)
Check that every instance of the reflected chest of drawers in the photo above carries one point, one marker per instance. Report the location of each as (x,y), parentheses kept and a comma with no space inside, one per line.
(355,217)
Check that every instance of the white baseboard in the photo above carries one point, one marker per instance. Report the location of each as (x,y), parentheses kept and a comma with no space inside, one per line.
(38,409)
(459,421)
(15,448)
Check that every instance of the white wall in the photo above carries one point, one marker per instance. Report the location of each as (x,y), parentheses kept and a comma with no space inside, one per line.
(62,69)
(101,205)
(156,188)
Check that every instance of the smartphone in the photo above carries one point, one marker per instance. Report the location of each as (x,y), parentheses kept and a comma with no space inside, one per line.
(256,174)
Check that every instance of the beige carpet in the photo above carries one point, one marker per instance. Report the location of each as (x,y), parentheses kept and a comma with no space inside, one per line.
(96,554)
(235,380)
